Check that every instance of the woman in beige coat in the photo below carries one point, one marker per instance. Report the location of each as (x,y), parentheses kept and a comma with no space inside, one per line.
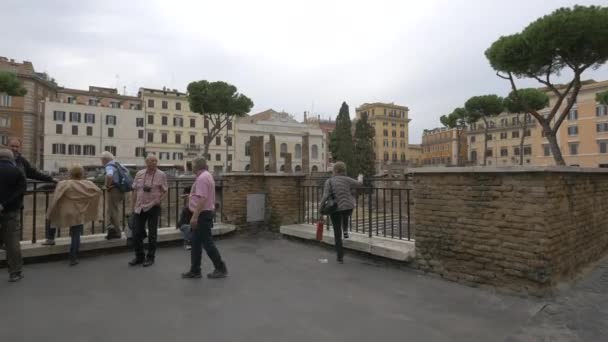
(75,202)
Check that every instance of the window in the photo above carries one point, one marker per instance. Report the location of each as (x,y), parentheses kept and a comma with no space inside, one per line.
(472,139)
(88,150)
(163,138)
(473,156)
(89,118)
(386,156)
(192,139)
(192,123)
(89,131)
(71,99)
(385,114)
(546,150)
(206,123)
(394,156)
(150,119)
(516,151)
(140,152)
(139,122)
(489,137)
(111,132)
(58,129)
(515,134)
(111,149)
(218,157)
(394,124)
(402,134)
(5,100)
(58,116)
(151,103)
(229,157)
(93,102)
(527,150)
(74,150)
(178,138)
(115,104)
(164,120)
(178,106)
(573,148)
(74,130)
(150,137)
(489,153)
(315,152)
(385,133)
(394,143)
(573,115)
(602,127)
(229,141)
(298,151)
(603,146)
(504,152)
(527,133)
(58,148)
(229,125)
(394,134)
(140,134)
(283,149)
(218,141)
(247,149)
(206,140)
(503,135)
(74,117)
(110,120)
(178,122)
(573,130)
(402,157)
(601,110)
(165,105)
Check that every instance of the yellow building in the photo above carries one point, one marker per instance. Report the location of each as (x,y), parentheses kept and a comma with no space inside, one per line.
(390,123)
(440,146)
(414,155)
(582,137)
(175,134)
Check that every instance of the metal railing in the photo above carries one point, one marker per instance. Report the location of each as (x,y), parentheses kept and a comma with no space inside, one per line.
(381,209)
(38,196)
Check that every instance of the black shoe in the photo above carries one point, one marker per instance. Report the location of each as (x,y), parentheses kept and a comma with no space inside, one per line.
(345,235)
(217,274)
(113,235)
(73,261)
(48,242)
(191,275)
(136,262)
(148,262)
(14,277)
(340,261)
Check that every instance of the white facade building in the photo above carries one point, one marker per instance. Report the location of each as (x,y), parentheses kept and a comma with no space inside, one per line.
(288,138)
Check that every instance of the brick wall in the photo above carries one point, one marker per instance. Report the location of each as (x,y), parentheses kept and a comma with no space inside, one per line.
(281,190)
(520,230)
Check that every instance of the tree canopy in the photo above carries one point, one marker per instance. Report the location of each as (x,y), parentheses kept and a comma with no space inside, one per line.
(484,106)
(526,100)
(9,84)
(364,155)
(602,98)
(342,139)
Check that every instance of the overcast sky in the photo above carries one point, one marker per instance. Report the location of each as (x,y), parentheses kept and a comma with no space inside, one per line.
(288,55)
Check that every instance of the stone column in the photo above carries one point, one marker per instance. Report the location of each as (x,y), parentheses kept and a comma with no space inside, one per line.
(257,154)
(288,167)
(305,154)
(273,154)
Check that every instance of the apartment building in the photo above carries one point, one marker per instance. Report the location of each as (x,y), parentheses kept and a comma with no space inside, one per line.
(80,124)
(414,155)
(327,126)
(440,147)
(23,116)
(391,123)
(176,134)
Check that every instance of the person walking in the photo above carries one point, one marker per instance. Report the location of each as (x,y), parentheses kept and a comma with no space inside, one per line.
(202,206)
(31,172)
(342,188)
(12,190)
(116,197)
(149,189)
(75,202)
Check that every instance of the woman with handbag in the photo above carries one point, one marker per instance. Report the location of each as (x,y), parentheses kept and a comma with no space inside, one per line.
(338,202)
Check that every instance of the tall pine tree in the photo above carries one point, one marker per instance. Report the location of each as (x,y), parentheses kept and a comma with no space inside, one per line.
(364,149)
(341,144)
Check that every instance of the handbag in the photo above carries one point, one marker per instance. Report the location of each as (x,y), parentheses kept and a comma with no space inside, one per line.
(329,205)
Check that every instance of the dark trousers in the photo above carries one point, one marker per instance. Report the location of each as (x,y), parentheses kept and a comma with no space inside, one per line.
(339,220)
(10,231)
(75,232)
(150,218)
(49,231)
(202,238)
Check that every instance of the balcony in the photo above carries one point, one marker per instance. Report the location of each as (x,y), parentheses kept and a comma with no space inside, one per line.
(194,147)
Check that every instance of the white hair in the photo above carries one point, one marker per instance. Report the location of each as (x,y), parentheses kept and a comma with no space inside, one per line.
(105,155)
(5,153)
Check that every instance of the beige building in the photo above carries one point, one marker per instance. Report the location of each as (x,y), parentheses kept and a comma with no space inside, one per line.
(440,147)
(391,123)
(583,136)
(176,134)
(414,155)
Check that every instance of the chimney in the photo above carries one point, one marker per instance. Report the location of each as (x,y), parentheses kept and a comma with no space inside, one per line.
(305,117)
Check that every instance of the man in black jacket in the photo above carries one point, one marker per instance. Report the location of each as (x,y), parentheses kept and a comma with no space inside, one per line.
(12,189)
(32,173)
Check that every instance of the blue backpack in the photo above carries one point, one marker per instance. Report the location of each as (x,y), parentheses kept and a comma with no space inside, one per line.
(122,179)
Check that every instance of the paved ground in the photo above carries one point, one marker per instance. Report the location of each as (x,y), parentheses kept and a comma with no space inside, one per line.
(277,291)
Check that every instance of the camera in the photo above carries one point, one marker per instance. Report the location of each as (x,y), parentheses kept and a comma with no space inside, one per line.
(147,188)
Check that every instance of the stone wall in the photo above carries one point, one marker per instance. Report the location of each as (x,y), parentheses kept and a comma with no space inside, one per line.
(281,191)
(524,230)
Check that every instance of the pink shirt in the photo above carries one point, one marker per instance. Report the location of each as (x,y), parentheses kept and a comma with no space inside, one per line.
(157,181)
(203,188)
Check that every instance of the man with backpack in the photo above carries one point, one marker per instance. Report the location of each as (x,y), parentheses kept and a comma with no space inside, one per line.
(118,181)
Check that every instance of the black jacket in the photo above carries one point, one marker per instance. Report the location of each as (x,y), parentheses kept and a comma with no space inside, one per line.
(30,172)
(12,186)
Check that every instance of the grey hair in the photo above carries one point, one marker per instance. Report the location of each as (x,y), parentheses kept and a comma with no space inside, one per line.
(339,168)
(199,164)
(5,153)
(105,155)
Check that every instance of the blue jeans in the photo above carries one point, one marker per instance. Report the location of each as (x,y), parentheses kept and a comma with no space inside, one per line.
(75,232)
(202,238)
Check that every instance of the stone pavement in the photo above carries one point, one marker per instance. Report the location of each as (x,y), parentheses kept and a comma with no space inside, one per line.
(278,290)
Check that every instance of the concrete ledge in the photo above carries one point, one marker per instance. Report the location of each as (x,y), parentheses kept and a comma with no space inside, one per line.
(507,169)
(98,242)
(394,249)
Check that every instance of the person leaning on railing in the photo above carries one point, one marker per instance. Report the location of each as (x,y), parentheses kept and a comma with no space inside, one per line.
(76,201)
(342,187)
(12,190)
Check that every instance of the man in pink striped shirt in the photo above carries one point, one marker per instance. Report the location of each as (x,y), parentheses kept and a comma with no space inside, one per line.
(202,206)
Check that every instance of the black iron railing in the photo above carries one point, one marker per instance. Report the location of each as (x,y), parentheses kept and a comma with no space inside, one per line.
(38,196)
(383,208)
